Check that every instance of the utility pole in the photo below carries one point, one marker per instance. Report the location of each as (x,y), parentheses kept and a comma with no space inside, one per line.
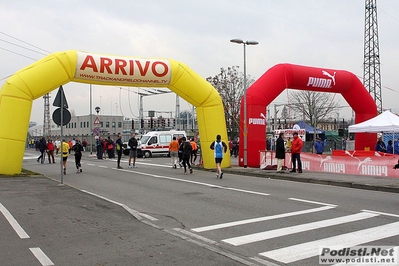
(371,71)
(177,112)
(46,120)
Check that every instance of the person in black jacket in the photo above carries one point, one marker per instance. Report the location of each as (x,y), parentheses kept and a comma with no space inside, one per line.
(133,143)
(78,148)
(186,149)
(280,152)
(42,146)
(119,149)
(100,148)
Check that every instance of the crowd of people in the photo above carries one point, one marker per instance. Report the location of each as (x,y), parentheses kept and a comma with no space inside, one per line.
(183,151)
(391,148)
(55,148)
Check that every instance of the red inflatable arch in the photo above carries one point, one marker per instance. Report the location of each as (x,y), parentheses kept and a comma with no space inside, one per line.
(283,76)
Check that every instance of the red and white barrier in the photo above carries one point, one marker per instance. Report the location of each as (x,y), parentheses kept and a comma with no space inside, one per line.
(343,162)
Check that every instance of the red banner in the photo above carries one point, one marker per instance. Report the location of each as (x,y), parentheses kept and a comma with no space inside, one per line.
(351,162)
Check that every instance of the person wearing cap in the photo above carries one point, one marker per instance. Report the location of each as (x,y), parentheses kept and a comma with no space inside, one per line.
(220,148)
(296,149)
(318,146)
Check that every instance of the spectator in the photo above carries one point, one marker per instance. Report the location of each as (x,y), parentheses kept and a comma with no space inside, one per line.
(390,147)
(380,146)
(318,146)
(296,150)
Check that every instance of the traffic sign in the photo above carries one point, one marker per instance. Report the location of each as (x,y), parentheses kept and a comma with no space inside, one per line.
(96,130)
(97,121)
(60,97)
(66,116)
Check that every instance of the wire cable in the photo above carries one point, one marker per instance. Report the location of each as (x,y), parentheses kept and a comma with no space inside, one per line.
(25,42)
(22,47)
(120,101)
(34,59)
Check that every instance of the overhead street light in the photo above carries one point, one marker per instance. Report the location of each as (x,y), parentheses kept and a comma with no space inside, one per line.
(245,43)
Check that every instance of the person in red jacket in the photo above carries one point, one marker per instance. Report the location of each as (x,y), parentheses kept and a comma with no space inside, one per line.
(296,149)
(50,150)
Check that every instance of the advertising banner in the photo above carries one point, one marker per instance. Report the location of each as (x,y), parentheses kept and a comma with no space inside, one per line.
(112,69)
(349,162)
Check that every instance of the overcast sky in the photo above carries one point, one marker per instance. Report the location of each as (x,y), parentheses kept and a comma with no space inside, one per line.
(320,33)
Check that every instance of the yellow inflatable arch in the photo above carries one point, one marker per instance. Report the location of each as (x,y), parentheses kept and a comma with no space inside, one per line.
(59,68)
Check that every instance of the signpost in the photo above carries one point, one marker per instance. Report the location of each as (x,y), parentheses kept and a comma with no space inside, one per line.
(61,117)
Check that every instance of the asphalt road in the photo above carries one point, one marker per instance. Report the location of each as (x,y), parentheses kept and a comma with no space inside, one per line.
(263,221)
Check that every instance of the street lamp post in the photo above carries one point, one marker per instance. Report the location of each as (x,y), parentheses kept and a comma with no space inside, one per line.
(91,120)
(245,43)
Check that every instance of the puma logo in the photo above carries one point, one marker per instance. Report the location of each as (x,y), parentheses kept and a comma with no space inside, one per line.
(368,159)
(263,116)
(325,73)
(323,160)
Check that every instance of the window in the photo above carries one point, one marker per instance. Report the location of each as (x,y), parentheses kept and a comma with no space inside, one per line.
(119,124)
(113,124)
(153,140)
(107,124)
(165,138)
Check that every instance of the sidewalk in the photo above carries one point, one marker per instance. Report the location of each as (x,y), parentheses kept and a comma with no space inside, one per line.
(386,184)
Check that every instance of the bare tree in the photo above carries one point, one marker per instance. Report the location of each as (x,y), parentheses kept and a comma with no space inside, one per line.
(230,85)
(314,106)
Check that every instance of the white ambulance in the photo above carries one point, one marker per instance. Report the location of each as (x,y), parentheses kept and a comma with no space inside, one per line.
(157,142)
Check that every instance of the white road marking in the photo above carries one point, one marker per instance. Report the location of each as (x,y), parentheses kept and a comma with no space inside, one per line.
(103,166)
(314,202)
(31,157)
(152,164)
(260,219)
(311,249)
(247,191)
(43,259)
(149,217)
(263,262)
(15,225)
(242,240)
(382,213)
(207,240)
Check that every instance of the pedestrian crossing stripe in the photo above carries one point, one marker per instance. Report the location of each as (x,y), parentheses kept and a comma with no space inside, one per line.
(242,240)
(311,249)
(260,219)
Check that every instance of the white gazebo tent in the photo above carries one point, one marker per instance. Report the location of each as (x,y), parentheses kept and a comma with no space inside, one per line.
(386,122)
